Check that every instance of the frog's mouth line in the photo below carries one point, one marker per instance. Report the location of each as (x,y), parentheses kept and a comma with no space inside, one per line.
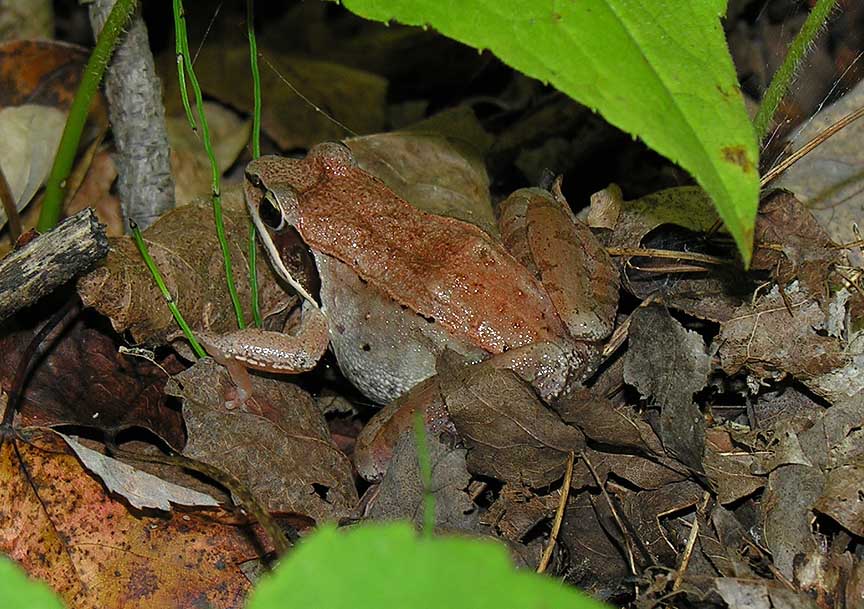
(269,236)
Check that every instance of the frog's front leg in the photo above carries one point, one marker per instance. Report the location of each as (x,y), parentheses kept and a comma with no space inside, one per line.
(276,352)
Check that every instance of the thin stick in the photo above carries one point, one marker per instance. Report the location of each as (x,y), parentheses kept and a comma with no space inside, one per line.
(691,542)
(811,145)
(559,515)
(658,253)
(631,561)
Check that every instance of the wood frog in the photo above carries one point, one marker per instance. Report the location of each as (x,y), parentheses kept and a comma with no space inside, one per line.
(397,285)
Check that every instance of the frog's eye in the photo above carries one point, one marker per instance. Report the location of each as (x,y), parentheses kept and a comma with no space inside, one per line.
(270,214)
(254,179)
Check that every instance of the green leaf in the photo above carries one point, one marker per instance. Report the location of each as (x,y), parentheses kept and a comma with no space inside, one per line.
(16,590)
(387,566)
(658,69)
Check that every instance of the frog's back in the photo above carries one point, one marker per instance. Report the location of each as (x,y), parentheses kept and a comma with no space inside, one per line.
(443,269)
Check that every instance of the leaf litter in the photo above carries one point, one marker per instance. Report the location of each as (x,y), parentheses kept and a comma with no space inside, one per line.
(719,453)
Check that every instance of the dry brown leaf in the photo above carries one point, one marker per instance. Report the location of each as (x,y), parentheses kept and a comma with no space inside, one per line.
(354,98)
(183,245)
(189,162)
(601,568)
(642,472)
(607,423)
(832,579)
(841,496)
(39,81)
(787,508)
(759,594)
(654,516)
(669,364)
(770,341)
(95,192)
(791,244)
(723,541)
(83,380)
(729,472)
(402,491)
(511,435)
(278,444)
(517,511)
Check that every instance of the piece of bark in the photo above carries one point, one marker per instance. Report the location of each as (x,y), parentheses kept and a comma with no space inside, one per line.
(50,260)
(144,181)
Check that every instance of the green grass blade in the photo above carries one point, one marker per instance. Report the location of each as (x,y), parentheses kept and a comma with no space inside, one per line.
(55,186)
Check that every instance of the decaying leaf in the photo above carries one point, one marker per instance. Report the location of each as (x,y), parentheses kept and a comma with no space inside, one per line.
(278,444)
(57,521)
(759,594)
(648,473)
(401,493)
(84,380)
(39,79)
(841,496)
(778,335)
(724,543)
(608,423)
(511,435)
(688,207)
(183,245)
(601,566)
(669,364)
(95,191)
(189,163)
(791,493)
(140,489)
(654,517)
(347,96)
(730,473)
(791,244)
(517,511)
